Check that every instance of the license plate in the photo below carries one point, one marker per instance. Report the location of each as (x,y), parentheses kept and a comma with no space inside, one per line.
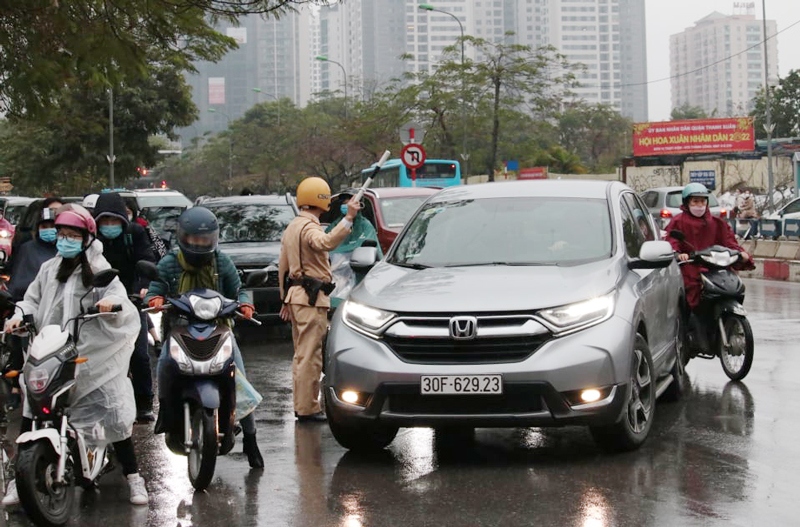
(461,384)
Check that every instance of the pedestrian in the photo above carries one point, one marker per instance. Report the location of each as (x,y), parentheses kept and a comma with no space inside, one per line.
(124,244)
(305,283)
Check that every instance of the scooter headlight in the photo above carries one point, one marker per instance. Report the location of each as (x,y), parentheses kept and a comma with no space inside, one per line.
(205,308)
(179,356)
(720,258)
(37,380)
(225,352)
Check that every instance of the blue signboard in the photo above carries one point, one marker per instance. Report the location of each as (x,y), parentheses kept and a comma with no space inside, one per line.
(791,228)
(770,228)
(706,177)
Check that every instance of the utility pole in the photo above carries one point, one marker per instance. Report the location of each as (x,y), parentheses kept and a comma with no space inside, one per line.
(111,157)
(768,126)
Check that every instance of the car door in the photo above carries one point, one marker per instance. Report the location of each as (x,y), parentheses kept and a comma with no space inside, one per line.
(792,210)
(653,283)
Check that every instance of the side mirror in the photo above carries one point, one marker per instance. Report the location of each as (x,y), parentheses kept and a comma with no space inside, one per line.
(104,277)
(363,259)
(369,243)
(147,269)
(653,255)
(256,278)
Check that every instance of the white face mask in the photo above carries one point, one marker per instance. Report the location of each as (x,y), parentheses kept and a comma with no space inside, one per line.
(698,211)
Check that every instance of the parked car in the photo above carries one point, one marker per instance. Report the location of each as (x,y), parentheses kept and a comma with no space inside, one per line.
(387,209)
(528,303)
(250,233)
(664,203)
(790,211)
(14,208)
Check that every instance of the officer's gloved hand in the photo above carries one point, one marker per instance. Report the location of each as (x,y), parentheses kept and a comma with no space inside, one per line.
(157,302)
(247,310)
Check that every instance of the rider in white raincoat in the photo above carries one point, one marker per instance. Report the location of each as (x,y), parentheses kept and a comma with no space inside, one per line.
(102,402)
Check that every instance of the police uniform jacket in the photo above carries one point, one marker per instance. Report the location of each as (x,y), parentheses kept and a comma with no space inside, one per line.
(305,240)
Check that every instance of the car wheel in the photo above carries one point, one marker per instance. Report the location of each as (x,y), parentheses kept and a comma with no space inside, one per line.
(633,426)
(359,437)
(679,380)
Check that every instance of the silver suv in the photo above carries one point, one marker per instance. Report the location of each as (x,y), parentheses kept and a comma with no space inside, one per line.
(540,303)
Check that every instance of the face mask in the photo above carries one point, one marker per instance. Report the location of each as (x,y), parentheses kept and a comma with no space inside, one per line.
(69,248)
(47,235)
(111,231)
(698,211)
(343,208)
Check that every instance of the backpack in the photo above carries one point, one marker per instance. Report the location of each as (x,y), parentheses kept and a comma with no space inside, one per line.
(156,243)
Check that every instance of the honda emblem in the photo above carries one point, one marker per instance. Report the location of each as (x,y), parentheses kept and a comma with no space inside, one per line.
(463,328)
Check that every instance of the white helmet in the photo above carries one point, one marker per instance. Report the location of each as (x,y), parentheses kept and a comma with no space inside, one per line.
(89,201)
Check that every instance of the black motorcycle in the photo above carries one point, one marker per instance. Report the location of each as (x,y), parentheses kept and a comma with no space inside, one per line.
(722,317)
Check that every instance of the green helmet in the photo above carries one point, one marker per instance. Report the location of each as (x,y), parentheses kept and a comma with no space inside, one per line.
(694,189)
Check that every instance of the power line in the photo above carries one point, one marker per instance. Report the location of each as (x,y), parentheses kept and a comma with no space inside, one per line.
(759,44)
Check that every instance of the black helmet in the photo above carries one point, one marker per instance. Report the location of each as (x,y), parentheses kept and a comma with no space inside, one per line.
(198,235)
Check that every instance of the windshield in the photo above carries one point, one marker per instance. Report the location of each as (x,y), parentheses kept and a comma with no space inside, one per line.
(507,231)
(163,219)
(14,213)
(251,222)
(158,200)
(397,211)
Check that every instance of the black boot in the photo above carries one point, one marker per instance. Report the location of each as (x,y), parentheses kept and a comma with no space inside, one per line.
(697,334)
(144,409)
(163,418)
(250,447)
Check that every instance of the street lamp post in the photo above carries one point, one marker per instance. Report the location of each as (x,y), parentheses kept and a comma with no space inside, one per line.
(768,124)
(323,58)
(259,91)
(111,157)
(230,149)
(464,154)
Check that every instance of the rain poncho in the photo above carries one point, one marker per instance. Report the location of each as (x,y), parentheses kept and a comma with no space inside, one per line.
(341,273)
(102,404)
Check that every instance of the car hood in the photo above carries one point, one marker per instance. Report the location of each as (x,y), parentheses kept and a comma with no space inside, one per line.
(252,253)
(482,289)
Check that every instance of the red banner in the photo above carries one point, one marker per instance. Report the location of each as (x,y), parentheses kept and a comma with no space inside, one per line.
(694,136)
(533,173)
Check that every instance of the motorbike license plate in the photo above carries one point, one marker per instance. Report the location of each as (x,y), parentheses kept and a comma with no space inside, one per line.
(461,384)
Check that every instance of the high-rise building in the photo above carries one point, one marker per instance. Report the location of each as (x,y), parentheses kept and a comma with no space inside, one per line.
(718,64)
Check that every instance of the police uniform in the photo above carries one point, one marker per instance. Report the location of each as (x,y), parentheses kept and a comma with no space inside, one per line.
(304,253)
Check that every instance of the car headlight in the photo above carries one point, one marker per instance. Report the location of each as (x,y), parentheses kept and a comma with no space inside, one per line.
(365,318)
(37,380)
(720,258)
(579,314)
(179,356)
(205,308)
(222,356)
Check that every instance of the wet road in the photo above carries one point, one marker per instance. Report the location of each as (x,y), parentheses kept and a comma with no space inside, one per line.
(725,455)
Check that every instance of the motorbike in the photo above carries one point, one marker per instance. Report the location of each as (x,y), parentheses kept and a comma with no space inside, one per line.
(55,456)
(722,317)
(198,414)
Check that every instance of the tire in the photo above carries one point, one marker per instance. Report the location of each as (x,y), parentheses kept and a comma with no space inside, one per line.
(202,458)
(362,437)
(738,358)
(633,426)
(677,387)
(45,504)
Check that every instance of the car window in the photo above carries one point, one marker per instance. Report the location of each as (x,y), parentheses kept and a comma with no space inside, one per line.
(159,200)
(641,215)
(251,222)
(510,231)
(675,200)
(792,207)
(368,212)
(13,213)
(163,219)
(650,199)
(397,211)
(632,234)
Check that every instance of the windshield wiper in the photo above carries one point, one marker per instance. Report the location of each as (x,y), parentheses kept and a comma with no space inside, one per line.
(410,265)
(512,264)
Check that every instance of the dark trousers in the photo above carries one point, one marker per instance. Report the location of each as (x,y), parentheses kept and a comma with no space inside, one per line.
(141,376)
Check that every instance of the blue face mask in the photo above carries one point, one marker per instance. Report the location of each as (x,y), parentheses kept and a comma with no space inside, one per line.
(111,231)
(69,248)
(47,235)
(343,208)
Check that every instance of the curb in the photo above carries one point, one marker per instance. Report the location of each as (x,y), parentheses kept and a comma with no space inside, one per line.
(774,269)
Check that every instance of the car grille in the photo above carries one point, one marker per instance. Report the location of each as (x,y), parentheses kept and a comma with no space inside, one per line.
(512,403)
(272,275)
(200,349)
(478,351)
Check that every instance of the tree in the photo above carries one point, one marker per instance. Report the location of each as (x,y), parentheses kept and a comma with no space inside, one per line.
(47,44)
(785,108)
(598,134)
(687,111)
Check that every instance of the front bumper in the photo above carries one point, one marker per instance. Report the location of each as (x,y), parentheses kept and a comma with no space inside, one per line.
(534,389)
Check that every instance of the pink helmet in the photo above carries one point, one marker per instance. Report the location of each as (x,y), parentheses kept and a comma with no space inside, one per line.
(73,215)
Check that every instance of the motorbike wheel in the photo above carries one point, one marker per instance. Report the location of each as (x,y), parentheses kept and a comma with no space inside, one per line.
(737,359)
(203,454)
(46,503)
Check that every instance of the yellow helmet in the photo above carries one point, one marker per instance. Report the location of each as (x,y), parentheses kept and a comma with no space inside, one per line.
(314,192)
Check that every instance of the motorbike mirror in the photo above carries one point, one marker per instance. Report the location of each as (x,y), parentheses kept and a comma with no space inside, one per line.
(6,301)
(147,269)
(678,235)
(104,277)
(256,278)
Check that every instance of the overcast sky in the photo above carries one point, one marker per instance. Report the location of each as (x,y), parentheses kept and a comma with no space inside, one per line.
(667,17)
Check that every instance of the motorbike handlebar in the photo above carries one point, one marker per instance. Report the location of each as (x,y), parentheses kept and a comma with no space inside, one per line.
(94,310)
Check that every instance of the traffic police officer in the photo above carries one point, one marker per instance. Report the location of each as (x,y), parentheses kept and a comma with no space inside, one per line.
(305,282)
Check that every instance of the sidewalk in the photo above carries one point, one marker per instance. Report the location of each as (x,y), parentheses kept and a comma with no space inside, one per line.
(774,259)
